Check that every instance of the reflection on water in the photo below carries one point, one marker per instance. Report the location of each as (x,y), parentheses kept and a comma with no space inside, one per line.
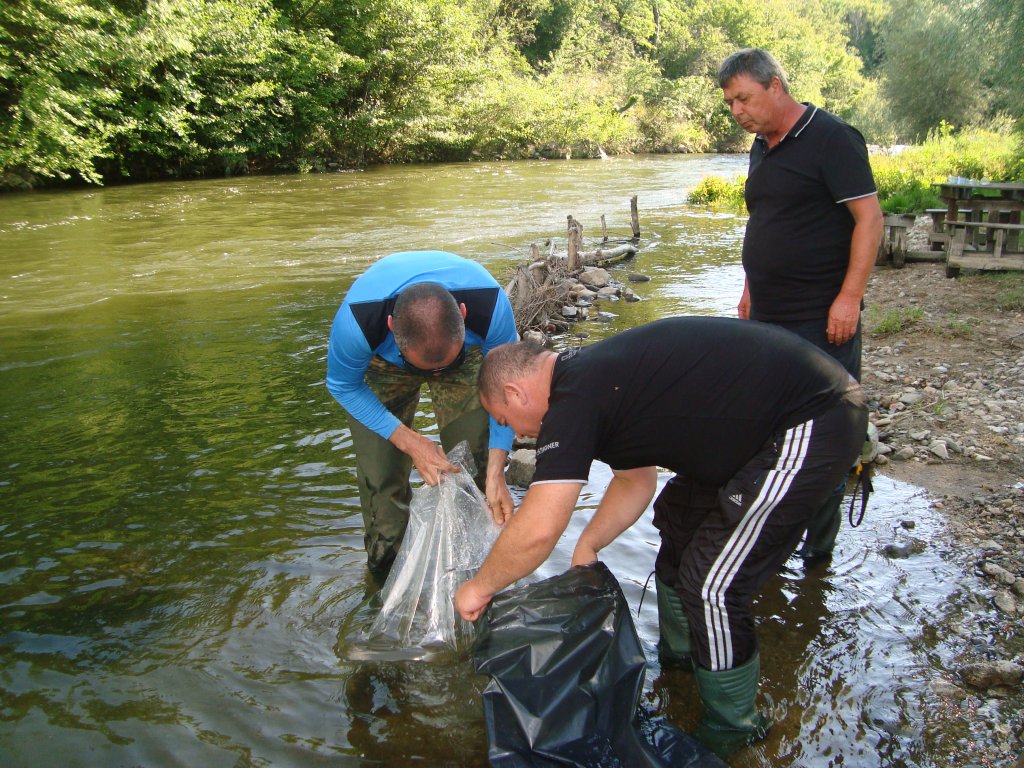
(181,564)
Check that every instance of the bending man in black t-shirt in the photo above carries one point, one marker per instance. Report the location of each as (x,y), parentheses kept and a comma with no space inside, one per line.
(749,409)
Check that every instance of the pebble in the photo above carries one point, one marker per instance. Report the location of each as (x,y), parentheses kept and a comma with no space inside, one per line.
(991,673)
(522,463)
(1005,602)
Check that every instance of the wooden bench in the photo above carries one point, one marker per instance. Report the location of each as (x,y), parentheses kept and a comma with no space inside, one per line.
(937,236)
(894,238)
(983,245)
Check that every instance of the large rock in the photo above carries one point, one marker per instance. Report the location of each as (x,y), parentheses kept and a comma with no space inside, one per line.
(521,465)
(595,277)
(998,573)
(989,674)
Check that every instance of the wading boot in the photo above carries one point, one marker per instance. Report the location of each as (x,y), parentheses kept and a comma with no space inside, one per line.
(731,720)
(823,529)
(673,628)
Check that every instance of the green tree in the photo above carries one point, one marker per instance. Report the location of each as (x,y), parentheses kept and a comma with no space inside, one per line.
(863,21)
(57,64)
(223,87)
(1000,25)
(924,84)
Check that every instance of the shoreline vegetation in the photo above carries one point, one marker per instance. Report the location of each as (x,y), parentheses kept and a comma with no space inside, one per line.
(904,174)
(99,92)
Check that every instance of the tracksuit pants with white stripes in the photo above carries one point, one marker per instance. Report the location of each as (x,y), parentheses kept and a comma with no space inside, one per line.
(720,544)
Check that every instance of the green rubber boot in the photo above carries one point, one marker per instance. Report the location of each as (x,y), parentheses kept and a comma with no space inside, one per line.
(673,628)
(731,720)
(823,529)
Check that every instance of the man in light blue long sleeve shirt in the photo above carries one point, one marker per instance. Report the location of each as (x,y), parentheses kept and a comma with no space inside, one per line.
(415,318)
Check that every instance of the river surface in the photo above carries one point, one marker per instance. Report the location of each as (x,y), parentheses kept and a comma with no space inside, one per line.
(181,564)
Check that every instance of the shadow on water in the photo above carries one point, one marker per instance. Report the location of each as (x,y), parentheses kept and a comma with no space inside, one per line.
(181,562)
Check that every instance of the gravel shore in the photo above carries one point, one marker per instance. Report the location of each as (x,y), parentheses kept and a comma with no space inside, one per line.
(944,369)
(947,392)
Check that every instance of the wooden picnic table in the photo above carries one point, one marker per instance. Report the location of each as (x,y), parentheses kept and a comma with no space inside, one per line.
(981,228)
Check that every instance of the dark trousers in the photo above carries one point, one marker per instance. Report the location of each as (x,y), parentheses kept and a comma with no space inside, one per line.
(823,528)
(720,545)
(814,331)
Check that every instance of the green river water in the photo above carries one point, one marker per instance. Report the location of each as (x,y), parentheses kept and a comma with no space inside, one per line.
(181,565)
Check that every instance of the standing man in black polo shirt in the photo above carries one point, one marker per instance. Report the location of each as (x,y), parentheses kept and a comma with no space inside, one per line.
(814,226)
(755,413)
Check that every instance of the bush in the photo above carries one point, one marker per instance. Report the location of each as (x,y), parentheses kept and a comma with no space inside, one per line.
(915,197)
(716,191)
(904,177)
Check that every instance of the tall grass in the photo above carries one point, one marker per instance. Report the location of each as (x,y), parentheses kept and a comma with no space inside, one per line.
(904,176)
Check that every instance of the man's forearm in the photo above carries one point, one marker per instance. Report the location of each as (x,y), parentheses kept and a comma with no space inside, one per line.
(867,233)
(623,503)
(529,537)
(863,252)
(496,459)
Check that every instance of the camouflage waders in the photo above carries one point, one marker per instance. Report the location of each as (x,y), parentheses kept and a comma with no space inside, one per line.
(383,470)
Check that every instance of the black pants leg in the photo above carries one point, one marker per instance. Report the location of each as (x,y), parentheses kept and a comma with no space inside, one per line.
(718,555)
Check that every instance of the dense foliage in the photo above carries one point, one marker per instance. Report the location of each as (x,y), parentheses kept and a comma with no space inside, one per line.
(99,90)
(905,176)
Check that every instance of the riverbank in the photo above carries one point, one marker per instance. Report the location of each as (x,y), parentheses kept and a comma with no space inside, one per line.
(944,370)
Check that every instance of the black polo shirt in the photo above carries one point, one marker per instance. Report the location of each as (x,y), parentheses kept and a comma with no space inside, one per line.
(797,245)
(696,395)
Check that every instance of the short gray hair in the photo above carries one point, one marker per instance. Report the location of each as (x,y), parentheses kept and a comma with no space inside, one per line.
(427,319)
(507,363)
(757,64)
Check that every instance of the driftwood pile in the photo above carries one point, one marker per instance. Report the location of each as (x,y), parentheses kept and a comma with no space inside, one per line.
(555,289)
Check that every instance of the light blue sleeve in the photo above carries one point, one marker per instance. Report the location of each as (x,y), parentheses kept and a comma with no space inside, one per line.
(348,357)
(502,330)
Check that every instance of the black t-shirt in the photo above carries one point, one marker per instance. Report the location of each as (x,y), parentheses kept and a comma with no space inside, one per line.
(797,245)
(696,395)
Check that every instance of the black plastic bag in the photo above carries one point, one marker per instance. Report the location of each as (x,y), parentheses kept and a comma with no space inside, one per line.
(567,670)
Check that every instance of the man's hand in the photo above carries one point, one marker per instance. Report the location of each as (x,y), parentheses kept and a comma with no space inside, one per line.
(843,316)
(427,455)
(743,308)
(583,554)
(499,500)
(470,601)
(498,497)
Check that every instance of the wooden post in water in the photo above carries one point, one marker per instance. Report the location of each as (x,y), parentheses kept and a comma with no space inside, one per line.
(634,217)
(575,238)
(604,229)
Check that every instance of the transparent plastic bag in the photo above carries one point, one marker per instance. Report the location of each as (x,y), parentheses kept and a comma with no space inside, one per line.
(450,533)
